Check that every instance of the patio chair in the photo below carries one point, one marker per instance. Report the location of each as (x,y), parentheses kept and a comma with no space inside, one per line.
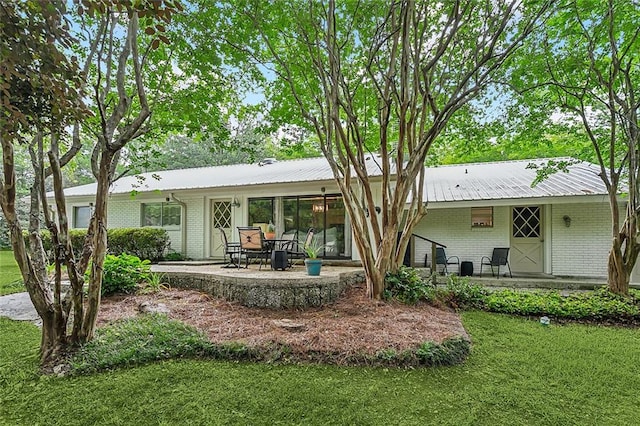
(442,259)
(232,250)
(499,258)
(252,245)
(295,249)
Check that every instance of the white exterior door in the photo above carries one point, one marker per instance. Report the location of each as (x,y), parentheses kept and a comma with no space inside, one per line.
(220,218)
(526,240)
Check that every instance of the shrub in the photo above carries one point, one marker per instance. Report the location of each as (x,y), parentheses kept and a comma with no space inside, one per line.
(598,305)
(174,255)
(123,273)
(146,243)
(460,293)
(407,286)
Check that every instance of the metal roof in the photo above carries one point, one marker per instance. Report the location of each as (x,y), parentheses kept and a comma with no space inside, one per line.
(304,170)
(461,182)
(508,180)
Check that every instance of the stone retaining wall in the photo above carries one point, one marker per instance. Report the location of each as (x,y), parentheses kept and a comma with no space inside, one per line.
(268,293)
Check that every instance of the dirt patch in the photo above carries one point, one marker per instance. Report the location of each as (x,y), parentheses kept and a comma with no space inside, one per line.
(354,325)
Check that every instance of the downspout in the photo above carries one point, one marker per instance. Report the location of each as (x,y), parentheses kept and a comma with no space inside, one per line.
(183,224)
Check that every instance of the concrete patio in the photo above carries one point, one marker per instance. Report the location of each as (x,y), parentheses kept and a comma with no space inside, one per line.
(293,288)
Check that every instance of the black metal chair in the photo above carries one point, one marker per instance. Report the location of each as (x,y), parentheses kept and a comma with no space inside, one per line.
(442,259)
(499,257)
(232,250)
(295,249)
(252,245)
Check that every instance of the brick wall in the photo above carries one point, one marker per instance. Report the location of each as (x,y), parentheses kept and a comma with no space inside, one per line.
(582,248)
(579,250)
(452,227)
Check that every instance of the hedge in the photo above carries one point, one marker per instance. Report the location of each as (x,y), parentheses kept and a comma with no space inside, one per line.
(146,243)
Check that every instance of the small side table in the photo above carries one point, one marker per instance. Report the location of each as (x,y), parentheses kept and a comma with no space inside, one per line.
(279,260)
(466,269)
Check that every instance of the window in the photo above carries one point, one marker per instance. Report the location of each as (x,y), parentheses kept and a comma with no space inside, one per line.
(481,217)
(161,214)
(326,214)
(81,216)
(260,211)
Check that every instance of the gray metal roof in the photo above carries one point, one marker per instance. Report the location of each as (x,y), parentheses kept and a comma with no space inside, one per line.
(305,170)
(462,182)
(508,180)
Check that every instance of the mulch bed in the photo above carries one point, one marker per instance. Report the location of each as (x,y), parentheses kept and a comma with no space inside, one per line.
(354,325)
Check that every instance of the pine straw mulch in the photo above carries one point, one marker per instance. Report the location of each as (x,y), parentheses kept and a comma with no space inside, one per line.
(353,326)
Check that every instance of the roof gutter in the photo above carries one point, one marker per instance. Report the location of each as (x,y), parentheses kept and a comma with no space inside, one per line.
(183,242)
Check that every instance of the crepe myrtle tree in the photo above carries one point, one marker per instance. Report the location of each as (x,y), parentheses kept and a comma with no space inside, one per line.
(42,89)
(586,63)
(379,78)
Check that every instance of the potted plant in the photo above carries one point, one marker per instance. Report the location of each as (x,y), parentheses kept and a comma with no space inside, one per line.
(312,262)
(270,233)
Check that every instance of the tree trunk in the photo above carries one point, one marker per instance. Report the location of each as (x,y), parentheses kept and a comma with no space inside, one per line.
(100,246)
(618,273)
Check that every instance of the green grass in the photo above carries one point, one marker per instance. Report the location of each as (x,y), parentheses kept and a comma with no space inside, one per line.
(519,373)
(140,340)
(10,277)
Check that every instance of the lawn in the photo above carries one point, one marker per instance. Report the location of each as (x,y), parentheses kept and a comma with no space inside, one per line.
(519,373)
(10,278)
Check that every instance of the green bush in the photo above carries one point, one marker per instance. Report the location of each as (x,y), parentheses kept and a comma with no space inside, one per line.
(598,305)
(123,273)
(460,293)
(146,243)
(174,255)
(407,286)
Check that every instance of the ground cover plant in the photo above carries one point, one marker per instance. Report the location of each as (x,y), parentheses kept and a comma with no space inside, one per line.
(518,373)
(10,277)
(152,337)
(597,306)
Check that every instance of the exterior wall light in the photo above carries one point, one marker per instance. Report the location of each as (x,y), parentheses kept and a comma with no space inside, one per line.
(567,221)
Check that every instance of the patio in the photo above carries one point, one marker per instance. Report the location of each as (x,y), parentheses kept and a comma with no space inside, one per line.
(266,288)
(293,288)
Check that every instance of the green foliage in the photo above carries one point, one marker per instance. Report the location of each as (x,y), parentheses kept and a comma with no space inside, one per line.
(123,273)
(146,243)
(138,341)
(154,283)
(449,352)
(461,293)
(407,286)
(599,305)
(313,249)
(174,256)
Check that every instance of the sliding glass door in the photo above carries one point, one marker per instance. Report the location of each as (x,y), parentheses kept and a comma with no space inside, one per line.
(326,214)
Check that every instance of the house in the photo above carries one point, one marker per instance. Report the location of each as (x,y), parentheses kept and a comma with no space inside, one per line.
(560,227)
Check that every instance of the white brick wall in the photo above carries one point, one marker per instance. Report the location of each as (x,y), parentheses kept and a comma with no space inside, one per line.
(578,250)
(452,227)
(126,213)
(195,227)
(581,249)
